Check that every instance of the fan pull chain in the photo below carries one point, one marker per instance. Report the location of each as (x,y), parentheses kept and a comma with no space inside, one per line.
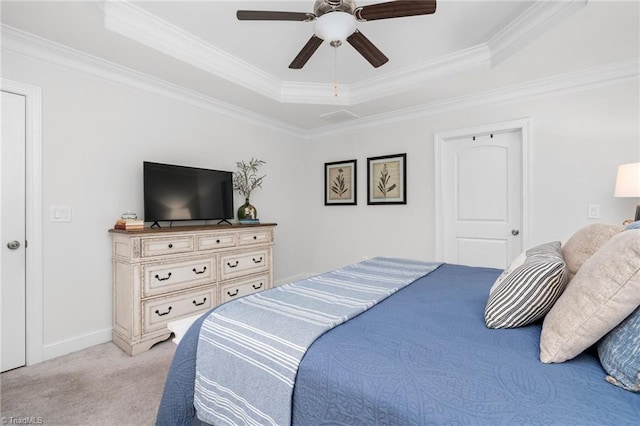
(335,72)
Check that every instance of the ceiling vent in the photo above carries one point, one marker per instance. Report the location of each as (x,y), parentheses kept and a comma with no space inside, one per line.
(339,116)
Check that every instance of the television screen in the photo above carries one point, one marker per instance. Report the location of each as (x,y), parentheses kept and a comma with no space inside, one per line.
(186,193)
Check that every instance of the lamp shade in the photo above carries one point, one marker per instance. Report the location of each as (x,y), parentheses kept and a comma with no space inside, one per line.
(628,180)
(335,26)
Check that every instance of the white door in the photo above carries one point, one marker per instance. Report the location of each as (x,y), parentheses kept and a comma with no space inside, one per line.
(13,232)
(482,199)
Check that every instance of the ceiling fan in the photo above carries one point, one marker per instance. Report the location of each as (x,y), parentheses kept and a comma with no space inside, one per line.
(335,22)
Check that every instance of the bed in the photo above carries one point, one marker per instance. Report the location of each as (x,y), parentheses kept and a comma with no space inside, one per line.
(424,355)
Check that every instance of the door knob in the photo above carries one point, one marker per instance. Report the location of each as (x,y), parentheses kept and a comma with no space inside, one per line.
(515,231)
(13,245)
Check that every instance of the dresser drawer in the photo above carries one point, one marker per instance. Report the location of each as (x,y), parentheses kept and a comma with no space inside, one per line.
(210,242)
(244,263)
(243,287)
(256,237)
(164,277)
(166,245)
(158,312)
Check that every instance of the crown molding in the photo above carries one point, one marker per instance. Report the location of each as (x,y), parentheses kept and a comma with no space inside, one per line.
(26,44)
(533,22)
(387,84)
(137,24)
(591,78)
(407,78)
(315,93)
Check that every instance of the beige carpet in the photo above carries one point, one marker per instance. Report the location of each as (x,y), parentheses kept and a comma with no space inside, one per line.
(100,385)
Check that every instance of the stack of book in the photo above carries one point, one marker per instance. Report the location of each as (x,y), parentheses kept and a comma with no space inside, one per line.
(129,224)
(249,221)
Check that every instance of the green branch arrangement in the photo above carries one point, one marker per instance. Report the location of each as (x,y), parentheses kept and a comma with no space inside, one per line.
(339,186)
(384,181)
(246,179)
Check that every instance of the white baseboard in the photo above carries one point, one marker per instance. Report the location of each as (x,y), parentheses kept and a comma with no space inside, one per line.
(64,347)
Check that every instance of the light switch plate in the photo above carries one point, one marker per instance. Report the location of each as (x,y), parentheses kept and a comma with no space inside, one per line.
(60,214)
(593,211)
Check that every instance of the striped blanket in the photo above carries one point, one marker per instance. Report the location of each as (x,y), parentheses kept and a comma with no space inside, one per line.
(249,350)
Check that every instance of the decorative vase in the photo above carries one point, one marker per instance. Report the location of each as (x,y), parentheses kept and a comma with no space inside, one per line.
(247,211)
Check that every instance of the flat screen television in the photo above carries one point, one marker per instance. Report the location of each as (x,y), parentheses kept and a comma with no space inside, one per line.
(186,193)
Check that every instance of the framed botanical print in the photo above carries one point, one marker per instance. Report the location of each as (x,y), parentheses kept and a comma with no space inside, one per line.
(387,179)
(340,183)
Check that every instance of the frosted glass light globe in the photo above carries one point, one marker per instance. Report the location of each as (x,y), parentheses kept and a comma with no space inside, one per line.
(335,26)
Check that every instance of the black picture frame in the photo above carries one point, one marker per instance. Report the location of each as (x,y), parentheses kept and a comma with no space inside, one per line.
(341,183)
(387,179)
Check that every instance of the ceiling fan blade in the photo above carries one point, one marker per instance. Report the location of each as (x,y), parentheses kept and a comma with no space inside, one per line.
(367,49)
(267,15)
(305,54)
(395,9)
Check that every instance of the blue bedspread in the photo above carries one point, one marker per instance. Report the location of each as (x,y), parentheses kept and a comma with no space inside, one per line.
(249,350)
(424,356)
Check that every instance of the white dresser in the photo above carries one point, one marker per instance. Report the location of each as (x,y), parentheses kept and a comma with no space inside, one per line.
(161,275)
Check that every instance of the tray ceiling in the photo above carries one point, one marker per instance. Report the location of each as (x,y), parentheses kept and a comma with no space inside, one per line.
(200,47)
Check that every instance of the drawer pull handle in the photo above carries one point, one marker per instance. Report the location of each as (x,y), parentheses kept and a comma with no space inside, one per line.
(164,313)
(170,245)
(257,261)
(256,288)
(232,266)
(163,279)
(204,268)
(234,294)
(201,303)
(217,241)
(255,237)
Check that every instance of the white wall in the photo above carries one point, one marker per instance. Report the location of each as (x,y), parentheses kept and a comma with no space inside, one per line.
(96,134)
(578,140)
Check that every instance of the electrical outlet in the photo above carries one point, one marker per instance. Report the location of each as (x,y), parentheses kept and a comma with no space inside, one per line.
(593,211)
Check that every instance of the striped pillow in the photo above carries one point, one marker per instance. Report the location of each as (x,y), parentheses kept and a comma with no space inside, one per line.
(529,291)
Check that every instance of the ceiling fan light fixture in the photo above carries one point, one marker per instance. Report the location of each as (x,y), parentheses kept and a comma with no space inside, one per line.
(335,26)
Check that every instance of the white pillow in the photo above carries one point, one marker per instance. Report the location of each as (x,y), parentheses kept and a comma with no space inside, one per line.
(518,261)
(585,242)
(604,291)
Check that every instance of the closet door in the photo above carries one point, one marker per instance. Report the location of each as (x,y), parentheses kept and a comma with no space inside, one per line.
(13,232)
(482,199)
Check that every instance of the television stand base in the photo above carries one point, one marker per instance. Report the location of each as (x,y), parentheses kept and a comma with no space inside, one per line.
(156,225)
(223,221)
